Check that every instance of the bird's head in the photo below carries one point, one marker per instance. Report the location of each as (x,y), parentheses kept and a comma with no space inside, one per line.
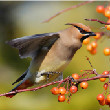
(81,31)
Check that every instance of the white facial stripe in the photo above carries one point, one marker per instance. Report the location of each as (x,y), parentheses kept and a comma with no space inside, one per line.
(86,34)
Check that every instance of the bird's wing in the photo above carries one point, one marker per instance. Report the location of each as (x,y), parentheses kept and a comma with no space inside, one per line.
(28,46)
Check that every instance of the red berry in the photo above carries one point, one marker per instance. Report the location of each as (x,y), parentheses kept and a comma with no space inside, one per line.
(75,76)
(84,85)
(100,97)
(98,36)
(73,89)
(102,102)
(105,86)
(94,51)
(107,12)
(102,79)
(108,27)
(61,98)
(105,72)
(106,102)
(107,51)
(94,44)
(108,98)
(81,70)
(89,47)
(62,90)
(108,21)
(86,41)
(100,9)
(54,90)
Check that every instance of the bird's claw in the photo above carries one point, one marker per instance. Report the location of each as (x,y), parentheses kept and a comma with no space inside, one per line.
(71,79)
(50,73)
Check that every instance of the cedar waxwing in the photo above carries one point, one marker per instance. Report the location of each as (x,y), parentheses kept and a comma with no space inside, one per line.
(50,52)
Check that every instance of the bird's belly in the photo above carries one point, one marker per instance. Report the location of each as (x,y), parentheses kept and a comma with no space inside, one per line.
(54,67)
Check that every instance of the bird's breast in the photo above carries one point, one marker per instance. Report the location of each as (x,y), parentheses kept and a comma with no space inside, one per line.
(56,60)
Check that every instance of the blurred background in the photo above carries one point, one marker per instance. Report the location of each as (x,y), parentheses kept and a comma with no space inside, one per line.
(19,19)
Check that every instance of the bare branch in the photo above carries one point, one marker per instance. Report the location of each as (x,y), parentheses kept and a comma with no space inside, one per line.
(34,89)
(65,80)
(102,22)
(67,9)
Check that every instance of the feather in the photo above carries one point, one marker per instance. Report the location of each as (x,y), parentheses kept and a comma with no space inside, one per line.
(28,46)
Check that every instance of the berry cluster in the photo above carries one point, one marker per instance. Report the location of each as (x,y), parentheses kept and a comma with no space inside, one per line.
(71,88)
(100,97)
(106,12)
(91,47)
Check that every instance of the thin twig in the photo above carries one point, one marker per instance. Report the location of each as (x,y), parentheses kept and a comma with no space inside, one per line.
(102,22)
(89,61)
(93,78)
(67,9)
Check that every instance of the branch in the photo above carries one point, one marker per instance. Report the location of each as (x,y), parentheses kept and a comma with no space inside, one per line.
(67,9)
(102,22)
(69,78)
(34,89)
(94,78)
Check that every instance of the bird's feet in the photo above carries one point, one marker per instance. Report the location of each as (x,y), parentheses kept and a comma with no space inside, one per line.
(72,80)
(52,73)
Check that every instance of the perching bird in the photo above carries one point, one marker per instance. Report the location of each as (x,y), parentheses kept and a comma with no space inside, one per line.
(49,52)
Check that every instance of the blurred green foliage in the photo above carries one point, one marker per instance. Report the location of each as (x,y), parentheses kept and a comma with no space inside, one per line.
(19,19)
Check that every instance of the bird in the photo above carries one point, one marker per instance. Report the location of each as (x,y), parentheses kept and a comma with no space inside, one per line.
(50,53)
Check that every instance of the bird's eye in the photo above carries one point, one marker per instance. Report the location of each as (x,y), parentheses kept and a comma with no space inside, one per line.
(81,30)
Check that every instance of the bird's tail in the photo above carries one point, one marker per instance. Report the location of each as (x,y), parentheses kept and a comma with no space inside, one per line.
(26,82)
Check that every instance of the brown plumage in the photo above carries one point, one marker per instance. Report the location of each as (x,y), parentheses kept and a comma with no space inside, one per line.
(49,52)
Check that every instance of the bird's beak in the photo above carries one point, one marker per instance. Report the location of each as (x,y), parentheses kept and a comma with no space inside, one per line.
(87,35)
(90,34)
